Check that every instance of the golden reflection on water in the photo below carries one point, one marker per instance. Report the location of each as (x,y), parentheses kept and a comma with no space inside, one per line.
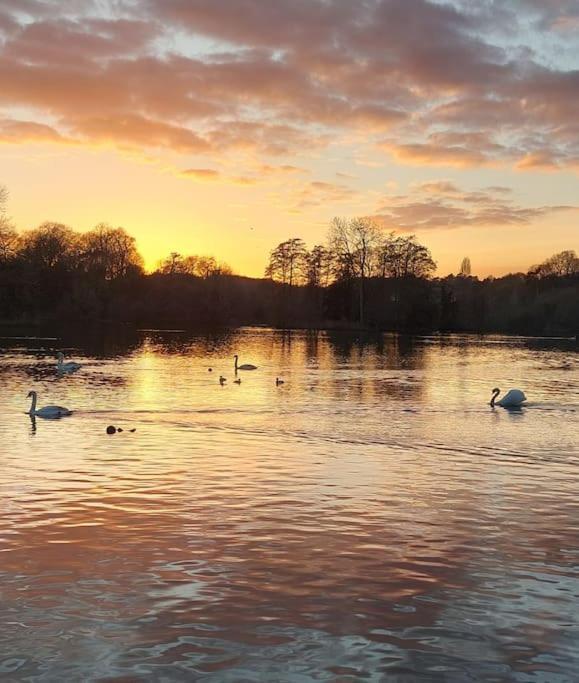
(371,519)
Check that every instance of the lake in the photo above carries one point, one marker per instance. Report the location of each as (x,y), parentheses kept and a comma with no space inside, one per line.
(371,519)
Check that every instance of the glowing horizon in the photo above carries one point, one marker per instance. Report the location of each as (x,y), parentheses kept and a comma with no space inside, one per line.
(225,130)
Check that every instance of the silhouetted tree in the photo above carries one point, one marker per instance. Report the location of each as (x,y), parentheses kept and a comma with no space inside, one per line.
(51,246)
(8,235)
(353,244)
(400,257)
(564,264)
(109,252)
(318,267)
(465,267)
(199,266)
(3,198)
(287,262)
(9,240)
(54,273)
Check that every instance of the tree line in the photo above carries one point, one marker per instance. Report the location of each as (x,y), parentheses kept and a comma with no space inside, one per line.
(360,277)
(356,250)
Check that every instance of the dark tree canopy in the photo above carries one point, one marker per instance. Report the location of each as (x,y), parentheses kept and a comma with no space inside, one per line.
(362,276)
(563,264)
(287,262)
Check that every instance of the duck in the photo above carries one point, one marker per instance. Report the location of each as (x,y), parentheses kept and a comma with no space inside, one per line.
(237,381)
(222,380)
(278,381)
(47,412)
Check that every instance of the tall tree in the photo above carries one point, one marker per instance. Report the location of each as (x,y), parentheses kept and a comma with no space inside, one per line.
(353,244)
(8,235)
(563,264)
(3,199)
(399,257)
(465,267)
(318,267)
(51,246)
(110,252)
(287,262)
(9,240)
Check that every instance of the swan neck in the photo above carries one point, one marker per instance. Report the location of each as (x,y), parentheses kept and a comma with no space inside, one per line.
(496,393)
(33,405)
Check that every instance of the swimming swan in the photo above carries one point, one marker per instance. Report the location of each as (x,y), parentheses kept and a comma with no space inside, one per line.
(512,399)
(245,366)
(48,412)
(71,366)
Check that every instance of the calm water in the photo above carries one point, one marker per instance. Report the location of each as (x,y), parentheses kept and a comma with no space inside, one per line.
(373,519)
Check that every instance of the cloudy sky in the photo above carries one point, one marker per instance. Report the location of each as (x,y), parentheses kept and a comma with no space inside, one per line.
(226,126)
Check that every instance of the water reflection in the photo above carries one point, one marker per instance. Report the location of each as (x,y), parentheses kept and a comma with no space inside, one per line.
(372,519)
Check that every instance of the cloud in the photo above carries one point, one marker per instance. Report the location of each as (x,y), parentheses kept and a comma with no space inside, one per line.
(443,205)
(318,193)
(283,169)
(138,131)
(17,132)
(201,173)
(211,175)
(446,84)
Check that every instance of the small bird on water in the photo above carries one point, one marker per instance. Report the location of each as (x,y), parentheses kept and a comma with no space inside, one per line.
(222,380)
(278,381)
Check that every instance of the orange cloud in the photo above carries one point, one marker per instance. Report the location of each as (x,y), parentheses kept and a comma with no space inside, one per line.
(292,76)
(201,173)
(18,132)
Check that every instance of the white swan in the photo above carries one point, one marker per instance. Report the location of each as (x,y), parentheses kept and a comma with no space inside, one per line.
(71,366)
(245,366)
(48,412)
(512,399)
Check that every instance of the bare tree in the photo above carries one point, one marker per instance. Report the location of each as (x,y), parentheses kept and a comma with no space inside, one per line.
(287,262)
(8,236)
(563,264)
(402,257)
(353,244)
(318,267)
(200,266)
(465,267)
(206,266)
(110,252)
(51,245)
(171,264)
(9,240)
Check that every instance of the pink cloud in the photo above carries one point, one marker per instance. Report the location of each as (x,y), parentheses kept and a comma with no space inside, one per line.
(441,204)
(294,75)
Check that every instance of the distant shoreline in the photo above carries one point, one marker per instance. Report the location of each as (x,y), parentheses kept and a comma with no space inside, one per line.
(51,328)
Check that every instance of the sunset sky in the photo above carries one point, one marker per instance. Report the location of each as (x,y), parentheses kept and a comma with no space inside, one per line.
(225,126)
